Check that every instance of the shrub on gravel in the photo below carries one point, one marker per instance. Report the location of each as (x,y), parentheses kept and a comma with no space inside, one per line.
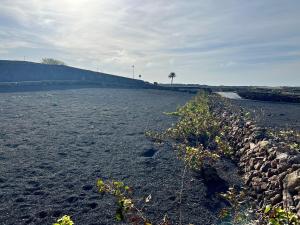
(199,134)
(279,216)
(65,220)
(127,210)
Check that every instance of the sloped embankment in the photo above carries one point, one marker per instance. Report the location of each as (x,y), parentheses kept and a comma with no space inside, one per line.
(28,74)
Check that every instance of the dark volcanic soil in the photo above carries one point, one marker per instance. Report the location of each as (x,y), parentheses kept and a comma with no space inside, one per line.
(273,114)
(54,145)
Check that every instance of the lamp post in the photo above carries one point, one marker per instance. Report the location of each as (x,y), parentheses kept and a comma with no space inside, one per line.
(132,71)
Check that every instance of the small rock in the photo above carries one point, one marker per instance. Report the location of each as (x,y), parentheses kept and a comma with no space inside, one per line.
(274,164)
(247,146)
(252,145)
(298,209)
(282,176)
(282,156)
(252,163)
(270,193)
(295,167)
(248,123)
(276,199)
(263,144)
(296,198)
(272,150)
(248,178)
(281,167)
(273,178)
(265,167)
(275,185)
(292,180)
(270,173)
(272,156)
(264,186)
(258,165)
(294,160)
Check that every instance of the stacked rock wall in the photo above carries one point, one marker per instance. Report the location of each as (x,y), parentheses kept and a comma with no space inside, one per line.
(270,167)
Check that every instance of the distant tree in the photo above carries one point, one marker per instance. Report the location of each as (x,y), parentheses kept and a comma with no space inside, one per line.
(172,75)
(51,61)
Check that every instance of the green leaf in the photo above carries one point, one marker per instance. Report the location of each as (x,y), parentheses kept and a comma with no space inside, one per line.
(65,220)
(267,209)
(274,222)
(119,215)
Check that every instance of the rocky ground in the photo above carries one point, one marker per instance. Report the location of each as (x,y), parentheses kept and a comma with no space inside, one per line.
(55,144)
(272,114)
(269,162)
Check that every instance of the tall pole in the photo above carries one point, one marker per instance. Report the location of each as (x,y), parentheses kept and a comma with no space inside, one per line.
(133,71)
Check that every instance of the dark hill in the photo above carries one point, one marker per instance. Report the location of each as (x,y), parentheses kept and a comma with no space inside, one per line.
(29,73)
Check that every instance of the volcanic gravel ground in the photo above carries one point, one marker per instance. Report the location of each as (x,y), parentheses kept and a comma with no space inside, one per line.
(55,144)
(273,114)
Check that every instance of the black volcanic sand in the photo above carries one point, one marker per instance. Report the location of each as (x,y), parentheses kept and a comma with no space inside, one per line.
(55,144)
(276,115)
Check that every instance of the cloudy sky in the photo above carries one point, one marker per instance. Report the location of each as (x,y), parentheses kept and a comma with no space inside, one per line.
(229,42)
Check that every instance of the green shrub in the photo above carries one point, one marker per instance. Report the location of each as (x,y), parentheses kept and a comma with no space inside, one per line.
(127,210)
(65,220)
(279,216)
(199,135)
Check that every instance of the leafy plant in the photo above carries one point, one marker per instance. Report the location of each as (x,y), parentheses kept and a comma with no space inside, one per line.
(279,216)
(223,145)
(195,157)
(239,211)
(155,136)
(127,210)
(65,220)
(198,135)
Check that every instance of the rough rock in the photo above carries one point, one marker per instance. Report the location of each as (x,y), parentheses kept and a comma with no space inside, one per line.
(270,168)
(276,199)
(292,180)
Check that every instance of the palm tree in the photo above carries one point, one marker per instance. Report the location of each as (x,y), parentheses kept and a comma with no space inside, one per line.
(172,75)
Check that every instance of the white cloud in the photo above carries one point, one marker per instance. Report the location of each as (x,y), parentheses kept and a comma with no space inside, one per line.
(197,38)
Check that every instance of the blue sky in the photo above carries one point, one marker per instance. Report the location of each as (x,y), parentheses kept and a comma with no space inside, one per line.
(217,42)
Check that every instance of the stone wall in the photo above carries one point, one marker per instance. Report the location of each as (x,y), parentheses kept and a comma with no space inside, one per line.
(269,166)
